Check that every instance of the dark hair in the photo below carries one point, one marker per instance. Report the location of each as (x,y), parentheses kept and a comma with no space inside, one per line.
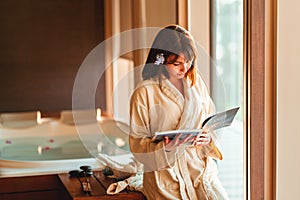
(171,41)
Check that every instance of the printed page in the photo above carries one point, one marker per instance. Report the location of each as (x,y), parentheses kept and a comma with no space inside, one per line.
(213,122)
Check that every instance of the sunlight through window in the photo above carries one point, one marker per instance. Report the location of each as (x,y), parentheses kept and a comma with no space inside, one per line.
(227,88)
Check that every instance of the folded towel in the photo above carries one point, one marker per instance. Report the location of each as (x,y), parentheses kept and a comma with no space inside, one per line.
(126,169)
(134,183)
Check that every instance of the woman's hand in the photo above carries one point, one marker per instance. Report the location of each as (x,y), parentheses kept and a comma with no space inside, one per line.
(171,145)
(202,139)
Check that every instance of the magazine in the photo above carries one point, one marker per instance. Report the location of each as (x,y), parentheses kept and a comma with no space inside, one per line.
(213,122)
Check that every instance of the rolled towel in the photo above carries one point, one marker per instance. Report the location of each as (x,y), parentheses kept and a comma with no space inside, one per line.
(134,183)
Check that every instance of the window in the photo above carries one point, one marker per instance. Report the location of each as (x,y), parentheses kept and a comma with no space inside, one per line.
(226,77)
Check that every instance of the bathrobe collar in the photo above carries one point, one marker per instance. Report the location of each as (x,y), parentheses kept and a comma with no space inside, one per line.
(190,104)
(186,103)
(172,92)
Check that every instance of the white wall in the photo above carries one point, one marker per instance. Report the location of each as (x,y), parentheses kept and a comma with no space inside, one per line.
(288,122)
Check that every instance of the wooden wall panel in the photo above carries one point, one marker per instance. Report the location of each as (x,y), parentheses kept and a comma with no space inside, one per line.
(42,45)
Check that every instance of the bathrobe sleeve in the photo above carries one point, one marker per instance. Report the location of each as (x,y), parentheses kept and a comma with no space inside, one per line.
(151,154)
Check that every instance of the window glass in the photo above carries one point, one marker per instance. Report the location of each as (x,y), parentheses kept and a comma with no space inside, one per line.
(227,89)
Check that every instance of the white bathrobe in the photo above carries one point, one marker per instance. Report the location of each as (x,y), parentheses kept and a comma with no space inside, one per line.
(188,172)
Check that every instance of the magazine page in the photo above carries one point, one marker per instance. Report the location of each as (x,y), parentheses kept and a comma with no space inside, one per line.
(171,134)
(219,120)
(213,122)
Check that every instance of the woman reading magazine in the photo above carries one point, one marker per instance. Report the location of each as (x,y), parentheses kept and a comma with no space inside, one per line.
(173,96)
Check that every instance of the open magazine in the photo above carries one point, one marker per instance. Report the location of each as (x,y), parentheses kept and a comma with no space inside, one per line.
(213,122)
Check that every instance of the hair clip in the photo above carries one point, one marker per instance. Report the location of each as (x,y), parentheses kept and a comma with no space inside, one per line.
(160,59)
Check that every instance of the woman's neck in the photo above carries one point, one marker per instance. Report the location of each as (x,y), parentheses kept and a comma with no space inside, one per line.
(178,84)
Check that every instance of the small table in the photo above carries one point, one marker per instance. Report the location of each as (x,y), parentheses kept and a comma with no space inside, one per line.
(99,183)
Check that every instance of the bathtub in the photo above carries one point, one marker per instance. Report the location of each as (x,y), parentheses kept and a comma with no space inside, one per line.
(56,147)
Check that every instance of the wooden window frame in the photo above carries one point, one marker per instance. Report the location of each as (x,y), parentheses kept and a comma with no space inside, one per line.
(260,64)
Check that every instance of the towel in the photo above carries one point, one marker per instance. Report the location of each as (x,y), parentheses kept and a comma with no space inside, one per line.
(134,183)
(126,169)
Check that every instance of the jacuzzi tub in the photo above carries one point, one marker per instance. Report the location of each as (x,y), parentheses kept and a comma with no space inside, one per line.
(56,147)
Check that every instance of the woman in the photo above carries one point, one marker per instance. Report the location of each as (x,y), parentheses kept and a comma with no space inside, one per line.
(172,96)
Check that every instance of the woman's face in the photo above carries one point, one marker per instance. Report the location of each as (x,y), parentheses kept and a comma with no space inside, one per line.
(178,68)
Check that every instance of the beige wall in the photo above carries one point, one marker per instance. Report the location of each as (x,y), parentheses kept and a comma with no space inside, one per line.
(288,127)
(160,13)
(200,28)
